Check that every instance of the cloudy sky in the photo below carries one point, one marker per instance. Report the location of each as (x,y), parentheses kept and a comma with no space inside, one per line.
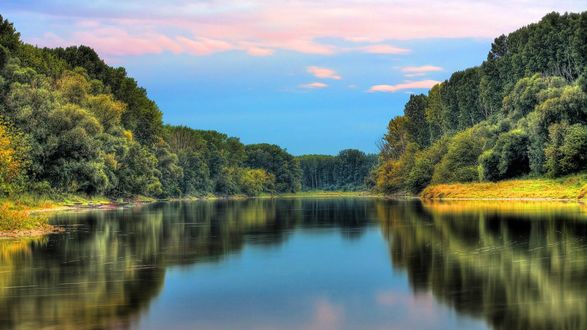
(314,76)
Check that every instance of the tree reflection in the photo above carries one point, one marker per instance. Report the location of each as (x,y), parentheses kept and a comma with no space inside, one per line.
(518,266)
(111,264)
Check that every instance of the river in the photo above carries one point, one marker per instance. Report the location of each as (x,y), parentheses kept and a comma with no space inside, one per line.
(303,263)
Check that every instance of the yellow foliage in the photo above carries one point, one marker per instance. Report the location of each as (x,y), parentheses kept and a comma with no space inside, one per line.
(73,87)
(128,135)
(10,164)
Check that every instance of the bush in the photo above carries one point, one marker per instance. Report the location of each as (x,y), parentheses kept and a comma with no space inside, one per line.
(489,166)
(567,150)
(507,159)
(421,174)
(459,164)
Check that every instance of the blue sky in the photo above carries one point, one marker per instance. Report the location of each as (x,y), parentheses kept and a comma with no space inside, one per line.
(311,76)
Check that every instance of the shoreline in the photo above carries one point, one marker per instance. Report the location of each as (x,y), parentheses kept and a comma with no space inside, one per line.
(47,229)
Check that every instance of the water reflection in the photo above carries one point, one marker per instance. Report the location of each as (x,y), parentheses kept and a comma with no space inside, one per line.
(508,265)
(108,268)
(517,265)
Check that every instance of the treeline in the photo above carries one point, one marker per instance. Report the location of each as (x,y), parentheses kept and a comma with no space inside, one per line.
(350,170)
(523,112)
(69,123)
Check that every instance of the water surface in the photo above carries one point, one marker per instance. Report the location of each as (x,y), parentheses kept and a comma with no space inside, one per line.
(347,263)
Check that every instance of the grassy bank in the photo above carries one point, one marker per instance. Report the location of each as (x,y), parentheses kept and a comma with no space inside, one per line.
(571,187)
(22,215)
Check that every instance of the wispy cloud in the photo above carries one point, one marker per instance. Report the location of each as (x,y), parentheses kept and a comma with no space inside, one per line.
(423,84)
(314,85)
(258,51)
(157,26)
(324,73)
(383,49)
(421,69)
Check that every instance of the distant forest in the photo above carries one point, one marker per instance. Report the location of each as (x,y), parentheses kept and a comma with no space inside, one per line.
(522,112)
(350,170)
(69,123)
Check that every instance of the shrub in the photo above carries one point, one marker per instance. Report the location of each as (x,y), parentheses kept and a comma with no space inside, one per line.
(567,150)
(488,166)
(421,174)
(459,164)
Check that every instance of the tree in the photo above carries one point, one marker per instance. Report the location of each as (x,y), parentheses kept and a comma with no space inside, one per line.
(275,161)
(13,161)
(508,158)
(253,182)
(459,164)
(567,150)
(415,113)
(396,140)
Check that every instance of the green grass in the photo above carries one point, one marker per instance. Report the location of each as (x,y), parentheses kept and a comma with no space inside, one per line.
(573,187)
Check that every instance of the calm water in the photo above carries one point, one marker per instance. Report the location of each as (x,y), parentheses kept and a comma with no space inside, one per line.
(303,264)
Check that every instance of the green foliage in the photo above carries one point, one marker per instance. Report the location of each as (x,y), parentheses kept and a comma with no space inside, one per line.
(89,128)
(567,150)
(348,171)
(397,138)
(415,113)
(253,182)
(423,169)
(459,164)
(525,95)
(392,173)
(522,111)
(507,159)
(277,162)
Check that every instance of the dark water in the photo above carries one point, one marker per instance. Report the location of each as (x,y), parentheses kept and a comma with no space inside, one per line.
(303,264)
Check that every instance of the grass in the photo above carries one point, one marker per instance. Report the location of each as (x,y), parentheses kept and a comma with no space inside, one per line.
(572,187)
(19,214)
(15,218)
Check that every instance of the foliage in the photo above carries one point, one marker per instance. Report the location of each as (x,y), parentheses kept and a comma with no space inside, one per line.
(75,125)
(567,150)
(507,159)
(253,182)
(13,164)
(522,111)
(348,171)
(277,162)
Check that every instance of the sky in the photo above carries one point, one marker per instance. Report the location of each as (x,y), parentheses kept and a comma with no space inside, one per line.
(313,76)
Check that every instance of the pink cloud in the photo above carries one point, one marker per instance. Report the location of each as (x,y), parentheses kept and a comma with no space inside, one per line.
(383,49)
(324,73)
(423,84)
(421,69)
(314,85)
(300,26)
(203,46)
(258,51)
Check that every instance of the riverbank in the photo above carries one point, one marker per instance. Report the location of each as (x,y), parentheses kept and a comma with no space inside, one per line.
(25,215)
(567,188)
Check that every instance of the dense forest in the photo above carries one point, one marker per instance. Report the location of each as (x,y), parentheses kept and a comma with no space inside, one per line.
(69,123)
(522,112)
(350,170)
